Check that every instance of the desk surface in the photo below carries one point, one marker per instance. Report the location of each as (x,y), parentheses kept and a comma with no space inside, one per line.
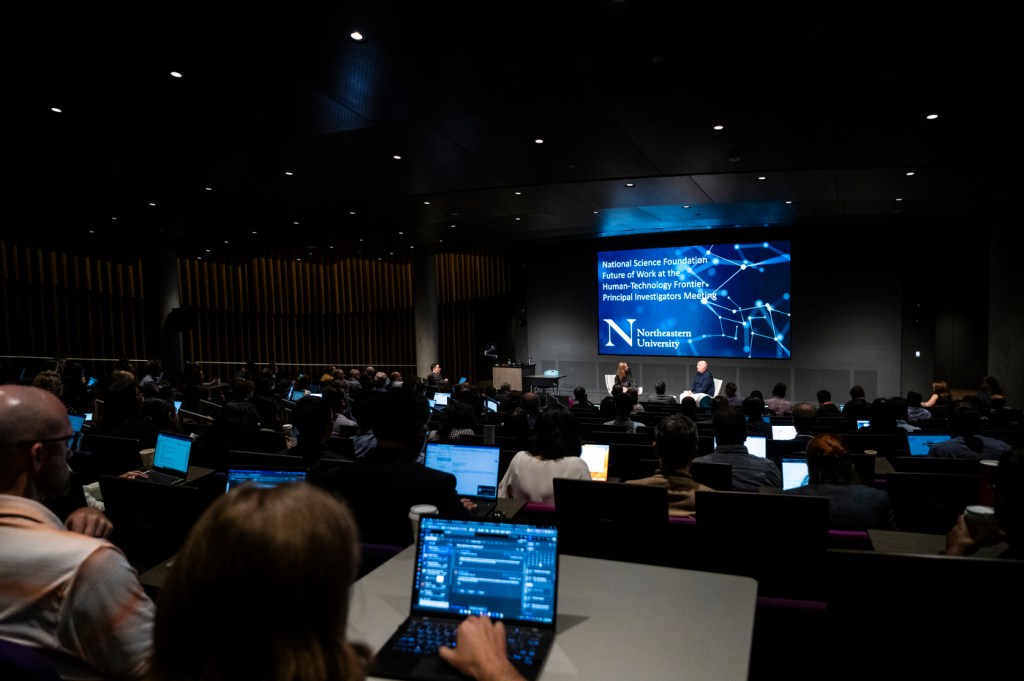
(615,620)
(888,541)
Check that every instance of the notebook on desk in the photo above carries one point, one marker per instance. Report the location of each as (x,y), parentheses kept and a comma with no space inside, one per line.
(475,566)
(475,468)
(170,460)
(920,443)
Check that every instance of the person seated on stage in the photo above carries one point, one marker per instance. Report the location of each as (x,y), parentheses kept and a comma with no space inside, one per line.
(777,403)
(73,597)
(553,452)
(826,407)
(623,409)
(624,375)
(831,474)
(303,537)
(966,443)
(915,412)
(675,444)
(381,486)
(1008,502)
(581,400)
(757,424)
(659,396)
(703,384)
(749,472)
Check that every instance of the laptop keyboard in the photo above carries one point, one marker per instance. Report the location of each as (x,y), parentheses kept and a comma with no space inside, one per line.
(484,509)
(162,478)
(426,636)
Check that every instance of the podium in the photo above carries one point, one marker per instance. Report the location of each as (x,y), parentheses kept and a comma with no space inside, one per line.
(513,375)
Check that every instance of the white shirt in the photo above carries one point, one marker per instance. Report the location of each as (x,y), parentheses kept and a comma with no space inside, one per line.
(530,477)
(74,598)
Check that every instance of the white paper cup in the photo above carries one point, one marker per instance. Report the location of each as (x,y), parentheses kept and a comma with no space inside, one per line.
(414,516)
(981,523)
(147,457)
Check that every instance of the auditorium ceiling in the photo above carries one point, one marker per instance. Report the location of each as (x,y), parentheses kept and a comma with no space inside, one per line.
(528,123)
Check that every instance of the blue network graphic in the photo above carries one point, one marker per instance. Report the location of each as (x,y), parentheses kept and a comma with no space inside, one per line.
(721,300)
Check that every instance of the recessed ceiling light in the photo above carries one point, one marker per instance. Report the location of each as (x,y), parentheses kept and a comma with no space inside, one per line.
(538,141)
(426,203)
(719,127)
(686,206)
(630,184)
(401,233)
(151,203)
(412,247)
(789,202)
(357,36)
(351,212)
(254,231)
(288,173)
(453,226)
(199,257)
(910,173)
(113,217)
(932,117)
(899,198)
(762,177)
(360,241)
(397,157)
(595,212)
(207,250)
(295,222)
(176,74)
(209,189)
(226,241)
(55,109)
(93,231)
(519,193)
(518,219)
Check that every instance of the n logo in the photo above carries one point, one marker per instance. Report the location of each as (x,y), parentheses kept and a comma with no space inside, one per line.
(612,326)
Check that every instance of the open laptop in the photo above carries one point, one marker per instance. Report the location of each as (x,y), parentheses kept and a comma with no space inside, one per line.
(264,476)
(475,468)
(507,570)
(77,421)
(441,400)
(783,432)
(794,472)
(920,443)
(170,460)
(490,405)
(756,445)
(596,456)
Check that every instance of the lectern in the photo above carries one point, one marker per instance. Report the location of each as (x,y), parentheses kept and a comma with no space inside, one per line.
(512,374)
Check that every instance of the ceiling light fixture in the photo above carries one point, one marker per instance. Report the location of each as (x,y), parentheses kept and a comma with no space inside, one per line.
(397,157)
(519,193)
(719,127)
(55,109)
(356,36)
(932,117)
(288,173)
(630,184)
(910,173)
(176,74)
(538,141)
(762,177)
(426,203)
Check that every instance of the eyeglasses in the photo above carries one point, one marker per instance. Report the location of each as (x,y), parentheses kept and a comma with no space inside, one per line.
(66,439)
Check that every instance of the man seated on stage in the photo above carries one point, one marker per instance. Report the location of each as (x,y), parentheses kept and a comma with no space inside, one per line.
(703,384)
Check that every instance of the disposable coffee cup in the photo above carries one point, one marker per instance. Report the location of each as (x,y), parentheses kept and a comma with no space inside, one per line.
(986,481)
(147,457)
(981,523)
(871,452)
(414,516)
(488,434)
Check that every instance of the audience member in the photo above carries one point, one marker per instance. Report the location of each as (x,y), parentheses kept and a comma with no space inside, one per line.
(757,424)
(336,398)
(458,419)
(675,444)
(209,625)
(608,403)
(915,412)
(312,424)
(900,410)
(121,415)
(749,472)
(990,389)
(381,486)
(531,405)
(634,394)
(805,417)
(857,408)
(826,407)
(624,375)
(74,598)
(517,427)
(730,390)
(151,378)
(581,400)
(553,452)
(659,396)
(941,397)
(777,403)
(50,381)
(504,391)
(623,409)
(688,407)
(966,442)
(831,474)
(234,428)
(1008,502)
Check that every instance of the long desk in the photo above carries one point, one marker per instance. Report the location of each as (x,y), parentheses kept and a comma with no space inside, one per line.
(542,382)
(615,620)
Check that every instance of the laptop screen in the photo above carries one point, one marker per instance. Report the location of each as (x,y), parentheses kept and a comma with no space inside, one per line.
(177,405)
(757,445)
(794,472)
(172,452)
(920,443)
(264,477)
(505,570)
(490,405)
(783,432)
(475,467)
(76,425)
(596,456)
(862,424)
(441,400)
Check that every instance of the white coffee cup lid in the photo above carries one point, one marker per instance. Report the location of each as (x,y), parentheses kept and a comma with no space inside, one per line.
(422,509)
(979,510)
(989,462)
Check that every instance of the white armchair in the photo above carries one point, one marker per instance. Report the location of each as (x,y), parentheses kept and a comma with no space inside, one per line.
(718,386)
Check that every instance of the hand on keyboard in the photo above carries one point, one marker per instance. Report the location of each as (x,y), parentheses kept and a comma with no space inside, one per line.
(481,651)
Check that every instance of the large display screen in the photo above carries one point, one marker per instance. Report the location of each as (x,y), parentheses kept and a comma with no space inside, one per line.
(719,300)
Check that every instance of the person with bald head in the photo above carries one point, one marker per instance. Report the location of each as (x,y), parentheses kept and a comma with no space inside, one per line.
(72,597)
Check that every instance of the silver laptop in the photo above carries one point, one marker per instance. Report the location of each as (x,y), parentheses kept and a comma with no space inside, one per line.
(170,460)
(596,456)
(475,468)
